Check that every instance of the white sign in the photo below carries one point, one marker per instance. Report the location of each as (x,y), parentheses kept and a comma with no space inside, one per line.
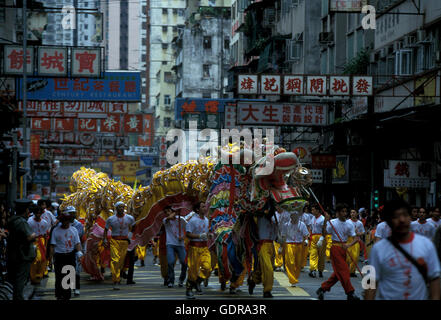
(293,85)
(362,86)
(13,59)
(339,86)
(281,114)
(316,85)
(270,84)
(317,175)
(346,5)
(247,84)
(408,173)
(86,62)
(52,61)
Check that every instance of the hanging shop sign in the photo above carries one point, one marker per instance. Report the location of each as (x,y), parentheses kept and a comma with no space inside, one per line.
(305,85)
(340,174)
(346,5)
(282,114)
(409,174)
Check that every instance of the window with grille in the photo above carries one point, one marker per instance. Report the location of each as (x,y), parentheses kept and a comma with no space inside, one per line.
(206,70)
(167,99)
(403,62)
(207,42)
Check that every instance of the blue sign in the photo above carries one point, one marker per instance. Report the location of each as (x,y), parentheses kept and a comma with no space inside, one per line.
(115,86)
(42,177)
(146,161)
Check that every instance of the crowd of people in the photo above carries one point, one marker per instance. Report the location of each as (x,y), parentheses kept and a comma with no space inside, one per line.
(402,243)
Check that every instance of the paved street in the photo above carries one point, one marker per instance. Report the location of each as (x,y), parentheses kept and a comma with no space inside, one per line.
(149,286)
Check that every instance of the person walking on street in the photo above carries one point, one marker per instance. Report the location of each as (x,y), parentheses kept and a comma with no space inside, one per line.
(341,230)
(175,234)
(20,249)
(354,251)
(422,226)
(317,252)
(435,218)
(65,248)
(120,224)
(406,264)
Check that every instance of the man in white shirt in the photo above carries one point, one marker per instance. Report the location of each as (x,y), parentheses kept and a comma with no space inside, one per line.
(40,227)
(422,226)
(282,216)
(397,278)
(121,225)
(264,273)
(317,251)
(47,215)
(306,218)
(435,217)
(175,235)
(340,230)
(354,251)
(65,242)
(382,231)
(198,255)
(295,238)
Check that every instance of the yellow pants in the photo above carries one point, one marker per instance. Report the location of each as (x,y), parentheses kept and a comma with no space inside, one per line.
(278,261)
(140,252)
(328,239)
(294,253)
(317,255)
(305,251)
(354,251)
(118,251)
(155,249)
(236,284)
(199,263)
(265,273)
(39,265)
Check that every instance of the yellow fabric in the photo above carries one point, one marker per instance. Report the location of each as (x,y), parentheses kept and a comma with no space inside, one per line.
(118,251)
(265,272)
(239,280)
(199,263)
(305,251)
(156,249)
(140,252)
(39,265)
(294,253)
(278,261)
(354,251)
(317,255)
(328,247)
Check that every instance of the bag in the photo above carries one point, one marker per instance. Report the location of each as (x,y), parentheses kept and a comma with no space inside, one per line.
(419,267)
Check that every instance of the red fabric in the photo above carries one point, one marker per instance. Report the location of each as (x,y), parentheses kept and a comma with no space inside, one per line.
(363,247)
(227,273)
(41,246)
(341,271)
(232,189)
(199,244)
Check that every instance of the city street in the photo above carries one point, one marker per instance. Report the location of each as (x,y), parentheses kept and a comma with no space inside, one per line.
(149,286)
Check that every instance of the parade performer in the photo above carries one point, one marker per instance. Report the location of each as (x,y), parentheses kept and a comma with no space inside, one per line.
(422,226)
(79,226)
(155,250)
(354,251)
(65,249)
(40,227)
(120,224)
(264,273)
(340,229)
(295,237)
(140,253)
(306,218)
(175,234)
(278,261)
(317,254)
(198,255)
(435,217)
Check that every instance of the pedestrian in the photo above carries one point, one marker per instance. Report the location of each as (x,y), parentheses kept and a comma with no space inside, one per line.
(140,253)
(120,224)
(54,208)
(264,272)
(317,251)
(80,228)
(175,234)
(353,252)
(278,261)
(435,216)
(20,249)
(41,228)
(382,230)
(47,215)
(340,230)
(198,255)
(295,239)
(65,248)
(406,264)
(306,218)
(414,213)
(422,226)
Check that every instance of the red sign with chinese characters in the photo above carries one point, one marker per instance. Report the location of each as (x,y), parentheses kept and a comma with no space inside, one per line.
(281,114)
(316,85)
(87,125)
(14,60)
(40,124)
(86,62)
(323,161)
(111,123)
(133,123)
(66,124)
(247,84)
(339,86)
(270,84)
(35,146)
(146,139)
(52,61)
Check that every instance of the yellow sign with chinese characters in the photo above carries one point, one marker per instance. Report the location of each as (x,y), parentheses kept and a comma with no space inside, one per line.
(125,168)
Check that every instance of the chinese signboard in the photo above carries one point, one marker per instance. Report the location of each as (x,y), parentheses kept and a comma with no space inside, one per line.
(52,61)
(408,173)
(303,152)
(35,147)
(267,113)
(73,108)
(323,161)
(125,168)
(346,5)
(13,58)
(115,86)
(340,174)
(146,139)
(317,175)
(86,62)
(309,85)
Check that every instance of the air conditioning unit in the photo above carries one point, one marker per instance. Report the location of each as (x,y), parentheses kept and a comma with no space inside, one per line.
(326,37)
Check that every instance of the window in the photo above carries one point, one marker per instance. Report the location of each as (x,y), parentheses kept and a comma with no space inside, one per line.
(350,52)
(164,46)
(175,29)
(86,37)
(164,29)
(167,100)
(403,62)
(206,71)
(175,11)
(295,50)
(207,42)
(226,43)
(168,77)
(158,76)
(167,122)
(164,11)
(86,26)
(164,63)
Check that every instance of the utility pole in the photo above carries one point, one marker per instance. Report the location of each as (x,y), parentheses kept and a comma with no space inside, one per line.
(13,171)
(25,102)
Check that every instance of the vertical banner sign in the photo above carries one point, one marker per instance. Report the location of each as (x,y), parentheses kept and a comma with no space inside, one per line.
(86,62)
(52,61)
(13,58)
(247,84)
(111,123)
(145,140)
(163,153)
(133,123)
(35,146)
(341,173)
